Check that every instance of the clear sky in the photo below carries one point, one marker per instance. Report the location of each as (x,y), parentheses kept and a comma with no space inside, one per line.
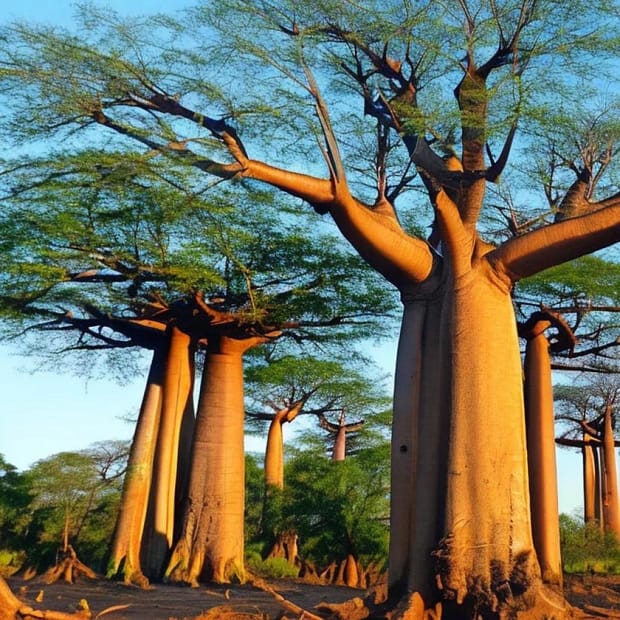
(44,412)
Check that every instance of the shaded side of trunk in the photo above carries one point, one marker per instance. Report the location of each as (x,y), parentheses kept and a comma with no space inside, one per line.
(589,481)
(611,502)
(421,406)
(178,381)
(541,454)
(210,547)
(126,543)
(598,485)
(186,438)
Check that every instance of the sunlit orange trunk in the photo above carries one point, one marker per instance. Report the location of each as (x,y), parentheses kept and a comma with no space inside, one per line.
(274,450)
(127,540)
(611,501)
(589,480)
(459,356)
(274,453)
(9,603)
(340,445)
(210,546)
(541,453)
(177,390)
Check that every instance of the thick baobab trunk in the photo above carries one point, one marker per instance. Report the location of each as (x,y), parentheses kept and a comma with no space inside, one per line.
(274,453)
(589,480)
(540,424)
(611,500)
(487,552)
(177,391)
(211,543)
(460,485)
(127,540)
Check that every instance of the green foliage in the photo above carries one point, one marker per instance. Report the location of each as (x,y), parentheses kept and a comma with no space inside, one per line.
(254,487)
(589,279)
(271,568)
(79,492)
(586,549)
(338,508)
(15,516)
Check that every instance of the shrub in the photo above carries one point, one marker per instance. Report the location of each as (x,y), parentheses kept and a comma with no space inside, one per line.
(587,549)
(271,568)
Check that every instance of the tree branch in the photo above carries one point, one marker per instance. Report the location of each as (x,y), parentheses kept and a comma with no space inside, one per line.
(557,243)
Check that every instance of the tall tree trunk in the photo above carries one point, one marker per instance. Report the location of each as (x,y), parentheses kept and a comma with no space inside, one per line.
(211,543)
(186,439)
(611,501)
(178,381)
(340,444)
(589,480)
(541,453)
(472,515)
(598,485)
(421,405)
(274,452)
(127,539)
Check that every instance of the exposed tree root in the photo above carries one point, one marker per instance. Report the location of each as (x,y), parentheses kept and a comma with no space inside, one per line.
(288,605)
(69,568)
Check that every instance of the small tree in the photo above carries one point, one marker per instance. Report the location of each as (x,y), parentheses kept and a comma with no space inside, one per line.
(72,493)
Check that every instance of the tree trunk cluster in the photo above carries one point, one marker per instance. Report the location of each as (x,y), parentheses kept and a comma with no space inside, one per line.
(182,508)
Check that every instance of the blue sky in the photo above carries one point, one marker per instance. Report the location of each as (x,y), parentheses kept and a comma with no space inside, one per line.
(45,412)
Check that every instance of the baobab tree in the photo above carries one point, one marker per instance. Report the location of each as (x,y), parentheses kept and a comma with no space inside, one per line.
(432,90)
(587,413)
(129,278)
(283,389)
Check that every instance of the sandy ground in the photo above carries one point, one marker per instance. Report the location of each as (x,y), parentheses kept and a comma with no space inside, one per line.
(598,597)
(164,602)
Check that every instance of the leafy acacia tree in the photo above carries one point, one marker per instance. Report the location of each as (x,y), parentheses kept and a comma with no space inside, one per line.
(74,496)
(340,509)
(437,92)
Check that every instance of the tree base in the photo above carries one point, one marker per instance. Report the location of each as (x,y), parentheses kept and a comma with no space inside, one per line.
(541,603)
(69,568)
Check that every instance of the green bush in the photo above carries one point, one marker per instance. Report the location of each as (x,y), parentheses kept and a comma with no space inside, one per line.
(587,549)
(10,562)
(271,568)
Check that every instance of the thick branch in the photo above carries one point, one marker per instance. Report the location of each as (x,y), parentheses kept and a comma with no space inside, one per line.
(557,243)
(376,236)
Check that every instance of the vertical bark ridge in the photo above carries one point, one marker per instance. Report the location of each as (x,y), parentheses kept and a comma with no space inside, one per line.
(176,392)
(589,480)
(417,457)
